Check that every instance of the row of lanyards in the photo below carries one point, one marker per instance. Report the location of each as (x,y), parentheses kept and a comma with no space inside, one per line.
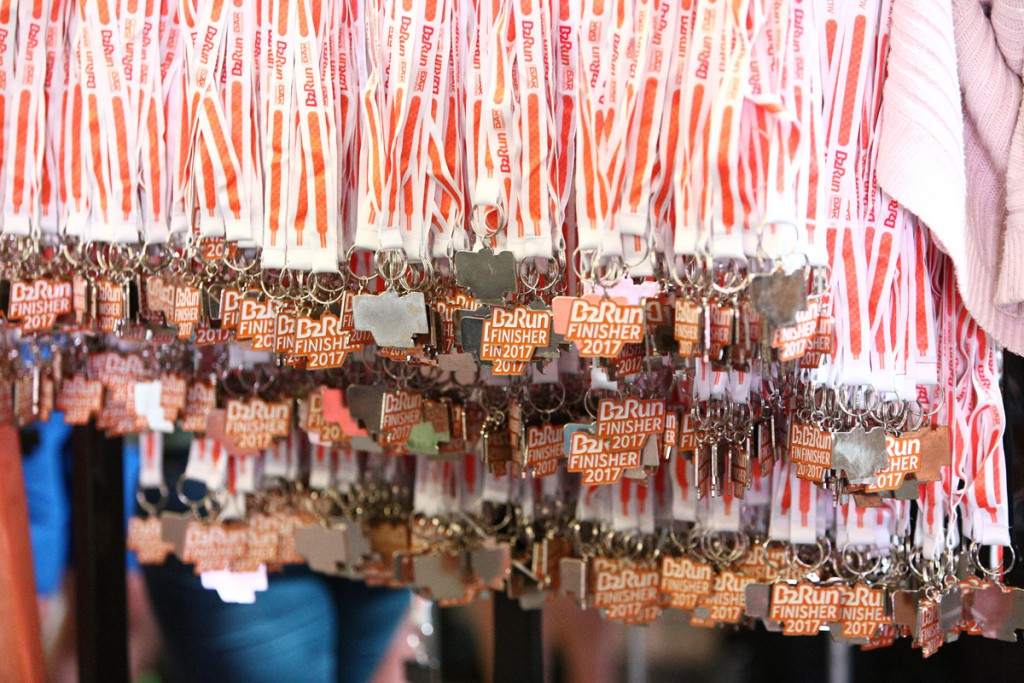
(614,49)
(738,134)
(25,70)
(214,176)
(84,120)
(974,487)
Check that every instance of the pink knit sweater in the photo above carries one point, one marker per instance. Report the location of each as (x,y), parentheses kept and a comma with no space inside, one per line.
(962,195)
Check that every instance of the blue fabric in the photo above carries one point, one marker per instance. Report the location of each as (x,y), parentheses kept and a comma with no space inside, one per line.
(48,502)
(306,628)
(131,480)
(47,487)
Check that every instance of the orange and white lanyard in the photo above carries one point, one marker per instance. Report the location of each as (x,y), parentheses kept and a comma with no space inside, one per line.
(672,134)
(954,382)
(415,53)
(534,197)
(612,84)
(632,211)
(313,232)
(135,16)
(591,183)
(489,114)
(239,108)
(321,466)
(73,143)
(700,84)
(786,104)
(422,168)
(930,533)
(151,460)
(253,165)
(350,65)
(723,204)
(812,187)
(797,506)
(98,127)
(849,36)
(154,185)
(55,92)
(176,114)
(278,129)
(25,133)
(151,469)
(888,236)
(446,206)
(8,86)
(215,165)
(986,512)
(391,110)
(565,93)
(120,220)
(923,359)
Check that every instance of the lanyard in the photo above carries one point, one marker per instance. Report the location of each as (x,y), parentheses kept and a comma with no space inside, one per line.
(8,86)
(278,128)
(218,172)
(723,205)
(176,112)
(55,93)
(73,195)
(533,199)
(313,232)
(848,35)
(986,513)
(350,47)
(672,143)
(591,183)
(489,118)
(701,83)
(633,209)
(392,108)
(153,160)
(239,77)
(445,205)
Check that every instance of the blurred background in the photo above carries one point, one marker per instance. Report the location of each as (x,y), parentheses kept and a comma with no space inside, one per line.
(457,644)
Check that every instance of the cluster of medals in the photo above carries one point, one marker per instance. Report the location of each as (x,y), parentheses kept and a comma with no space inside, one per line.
(642,447)
(600,299)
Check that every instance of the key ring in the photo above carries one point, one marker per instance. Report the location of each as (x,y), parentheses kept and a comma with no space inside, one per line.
(857,567)
(195,505)
(996,574)
(152,508)
(796,563)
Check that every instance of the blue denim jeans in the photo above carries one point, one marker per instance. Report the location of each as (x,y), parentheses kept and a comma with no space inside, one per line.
(305,628)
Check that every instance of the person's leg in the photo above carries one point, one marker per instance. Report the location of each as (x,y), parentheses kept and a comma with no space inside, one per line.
(286,635)
(367,618)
